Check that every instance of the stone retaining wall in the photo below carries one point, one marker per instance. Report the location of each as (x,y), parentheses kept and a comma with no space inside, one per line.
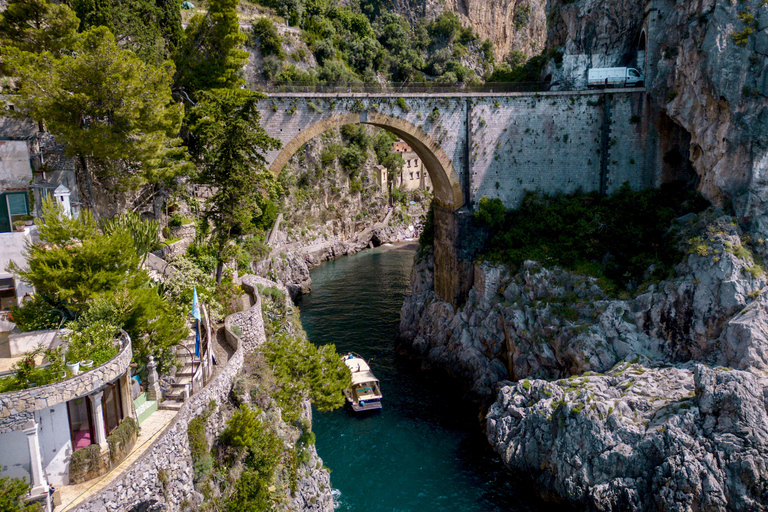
(163,476)
(18,407)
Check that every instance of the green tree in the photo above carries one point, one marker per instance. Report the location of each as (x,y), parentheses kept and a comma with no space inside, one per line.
(38,26)
(77,262)
(144,233)
(104,104)
(229,144)
(12,493)
(304,371)
(265,34)
(151,28)
(210,56)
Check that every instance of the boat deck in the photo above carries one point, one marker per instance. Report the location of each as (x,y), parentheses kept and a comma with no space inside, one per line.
(367,406)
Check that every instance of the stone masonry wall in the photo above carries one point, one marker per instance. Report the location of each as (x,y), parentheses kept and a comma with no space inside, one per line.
(142,486)
(554,144)
(550,141)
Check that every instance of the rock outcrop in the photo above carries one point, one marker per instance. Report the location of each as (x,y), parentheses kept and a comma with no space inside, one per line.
(624,413)
(640,438)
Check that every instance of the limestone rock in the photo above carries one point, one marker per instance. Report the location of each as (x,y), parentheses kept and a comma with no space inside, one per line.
(640,438)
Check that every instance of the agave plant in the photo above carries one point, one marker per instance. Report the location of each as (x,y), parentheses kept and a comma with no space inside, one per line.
(145,233)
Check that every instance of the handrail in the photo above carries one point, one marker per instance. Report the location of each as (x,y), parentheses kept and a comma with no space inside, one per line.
(396,88)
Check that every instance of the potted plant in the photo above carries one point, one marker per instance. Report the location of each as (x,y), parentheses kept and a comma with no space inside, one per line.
(86,364)
(73,368)
(19,225)
(28,220)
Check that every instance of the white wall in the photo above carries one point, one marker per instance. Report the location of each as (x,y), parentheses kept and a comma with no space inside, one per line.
(23,342)
(12,247)
(14,456)
(55,443)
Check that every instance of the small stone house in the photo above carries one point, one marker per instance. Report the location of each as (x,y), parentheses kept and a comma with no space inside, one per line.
(414,175)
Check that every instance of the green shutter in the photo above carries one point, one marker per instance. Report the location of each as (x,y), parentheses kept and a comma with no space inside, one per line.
(17,203)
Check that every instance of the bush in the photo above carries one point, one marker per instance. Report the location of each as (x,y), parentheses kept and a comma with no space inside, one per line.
(35,314)
(91,341)
(12,494)
(265,34)
(304,371)
(352,159)
(121,438)
(618,237)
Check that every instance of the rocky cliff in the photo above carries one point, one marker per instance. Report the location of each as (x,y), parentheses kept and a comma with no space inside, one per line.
(533,324)
(706,64)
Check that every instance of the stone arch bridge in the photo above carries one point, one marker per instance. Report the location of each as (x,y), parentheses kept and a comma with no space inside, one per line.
(498,145)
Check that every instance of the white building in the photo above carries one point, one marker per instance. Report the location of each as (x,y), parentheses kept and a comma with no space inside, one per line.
(40,427)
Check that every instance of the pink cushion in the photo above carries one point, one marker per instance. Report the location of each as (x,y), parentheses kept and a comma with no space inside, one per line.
(82,439)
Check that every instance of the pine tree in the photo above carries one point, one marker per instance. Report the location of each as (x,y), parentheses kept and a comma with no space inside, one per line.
(38,26)
(105,104)
(210,56)
(229,143)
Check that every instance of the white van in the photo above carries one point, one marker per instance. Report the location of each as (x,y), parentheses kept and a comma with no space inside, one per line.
(614,77)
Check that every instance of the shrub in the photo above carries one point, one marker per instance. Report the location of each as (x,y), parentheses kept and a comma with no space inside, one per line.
(618,237)
(13,492)
(522,16)
(742,37)
(34,314)
(91,341)
(121,437)
(304,371)
(265,34)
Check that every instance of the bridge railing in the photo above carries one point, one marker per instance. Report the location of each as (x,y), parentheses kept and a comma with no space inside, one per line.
(397,88)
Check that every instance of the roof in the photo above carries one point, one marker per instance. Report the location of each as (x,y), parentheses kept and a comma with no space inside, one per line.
(363,377)
(361,372)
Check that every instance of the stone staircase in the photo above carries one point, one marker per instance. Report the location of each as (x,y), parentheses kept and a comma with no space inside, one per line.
(182,388)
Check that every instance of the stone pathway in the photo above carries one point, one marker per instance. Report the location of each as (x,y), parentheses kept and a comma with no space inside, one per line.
(72,495)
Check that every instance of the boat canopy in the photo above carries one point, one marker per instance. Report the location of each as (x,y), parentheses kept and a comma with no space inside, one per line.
(362,377)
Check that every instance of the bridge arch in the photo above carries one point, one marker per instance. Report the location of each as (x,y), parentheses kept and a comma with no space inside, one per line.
(445,179)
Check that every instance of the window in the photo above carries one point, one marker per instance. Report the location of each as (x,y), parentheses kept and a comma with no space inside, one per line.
(7,294)
(80,422)
(112,406)
(13,207)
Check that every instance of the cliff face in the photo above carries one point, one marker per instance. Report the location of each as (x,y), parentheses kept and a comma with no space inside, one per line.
(707,67)
(510,24)
(623,415)
(709,71)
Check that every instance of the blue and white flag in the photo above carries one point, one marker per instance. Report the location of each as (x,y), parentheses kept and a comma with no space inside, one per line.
(195,306)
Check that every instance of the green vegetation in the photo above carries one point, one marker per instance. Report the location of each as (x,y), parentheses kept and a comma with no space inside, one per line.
(35,314)
(228,146)
(84,274)
(94,101)
(12,494)
(622,238)
(121,437)
(209,56)
(265,35)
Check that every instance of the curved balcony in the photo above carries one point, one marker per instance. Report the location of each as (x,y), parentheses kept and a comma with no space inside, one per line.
(17,407)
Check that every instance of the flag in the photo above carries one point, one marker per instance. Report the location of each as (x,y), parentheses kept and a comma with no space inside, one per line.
(196,314)
(195,305)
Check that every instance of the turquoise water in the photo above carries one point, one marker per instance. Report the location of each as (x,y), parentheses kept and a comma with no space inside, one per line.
(424,451)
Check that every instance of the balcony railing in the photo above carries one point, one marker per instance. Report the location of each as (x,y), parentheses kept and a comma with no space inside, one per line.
(395,88)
